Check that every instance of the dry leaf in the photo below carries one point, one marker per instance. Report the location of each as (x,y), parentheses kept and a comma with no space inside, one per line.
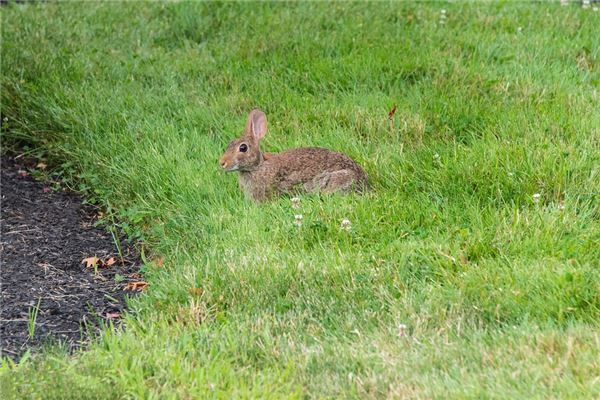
(136,286)
(135,275)
(196,291)
(113,315)
(90,261)
(392,112)
(110,262)
(41,165)
(160,261)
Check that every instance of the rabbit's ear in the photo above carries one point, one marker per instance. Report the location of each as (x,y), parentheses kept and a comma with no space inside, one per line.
(257,124)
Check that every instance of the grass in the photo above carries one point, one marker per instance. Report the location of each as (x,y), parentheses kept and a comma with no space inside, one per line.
(32,314)
(499,290)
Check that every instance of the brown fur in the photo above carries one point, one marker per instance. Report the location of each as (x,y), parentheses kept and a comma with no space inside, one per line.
(308,169)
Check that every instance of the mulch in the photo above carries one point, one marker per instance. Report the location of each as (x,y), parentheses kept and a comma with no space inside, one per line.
(45,233)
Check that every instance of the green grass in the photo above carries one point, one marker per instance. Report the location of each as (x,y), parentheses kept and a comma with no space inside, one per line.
(500,294)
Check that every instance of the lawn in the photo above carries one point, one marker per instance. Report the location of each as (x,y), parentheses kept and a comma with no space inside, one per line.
(472,267)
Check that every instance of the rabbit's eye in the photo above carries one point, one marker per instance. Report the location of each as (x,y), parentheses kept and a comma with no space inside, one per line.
(243,148)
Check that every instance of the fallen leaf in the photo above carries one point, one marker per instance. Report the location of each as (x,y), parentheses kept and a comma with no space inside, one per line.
(90,261)
(135,275)
(196,291)
(136,286)
(41,166)
(392,112)
(110,262)
(113,315)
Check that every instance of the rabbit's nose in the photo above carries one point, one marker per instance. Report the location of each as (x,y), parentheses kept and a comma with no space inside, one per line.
(223,163)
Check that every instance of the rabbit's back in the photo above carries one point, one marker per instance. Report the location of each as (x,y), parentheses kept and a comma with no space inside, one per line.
(313,169)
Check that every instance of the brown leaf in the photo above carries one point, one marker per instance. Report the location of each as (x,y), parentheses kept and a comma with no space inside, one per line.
(90,261)
(136,286)
(392,112)
(196,291)
(135,275)
(110,262)
(113,315)
(160,262)
(41,166)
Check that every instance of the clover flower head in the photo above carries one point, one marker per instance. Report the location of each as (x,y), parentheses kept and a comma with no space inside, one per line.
(346,224)
(296,202)
(401,330)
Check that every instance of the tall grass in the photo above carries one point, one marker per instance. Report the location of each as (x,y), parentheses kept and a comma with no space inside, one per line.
(481,235)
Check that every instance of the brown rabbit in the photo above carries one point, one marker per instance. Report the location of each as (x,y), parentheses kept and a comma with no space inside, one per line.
(308,169)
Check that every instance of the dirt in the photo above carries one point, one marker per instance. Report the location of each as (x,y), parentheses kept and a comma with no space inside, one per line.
(45,233)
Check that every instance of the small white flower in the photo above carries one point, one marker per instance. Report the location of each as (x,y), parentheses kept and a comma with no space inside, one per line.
(586,3)
(536,197)
(519,29)
(5,119)
(298,220)
(561,205)
(595,8)
(401,330)
(442,17)
(564,3)
(296,202)
(436,158)
(346,224)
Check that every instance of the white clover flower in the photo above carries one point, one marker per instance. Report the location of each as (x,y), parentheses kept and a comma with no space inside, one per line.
(401,330)
(536,197)
(298,220)
(442,16)
(296,202)
(5,119)
(586,4)
(346,224)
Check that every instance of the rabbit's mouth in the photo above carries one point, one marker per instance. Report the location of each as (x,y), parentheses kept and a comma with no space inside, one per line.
(230,168)
(227,164)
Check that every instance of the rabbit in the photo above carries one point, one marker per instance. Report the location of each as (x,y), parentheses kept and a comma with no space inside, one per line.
(308,169)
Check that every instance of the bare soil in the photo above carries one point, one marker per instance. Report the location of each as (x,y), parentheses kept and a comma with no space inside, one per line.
(44,236)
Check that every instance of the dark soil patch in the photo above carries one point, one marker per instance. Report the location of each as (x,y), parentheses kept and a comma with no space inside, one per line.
(45,235)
